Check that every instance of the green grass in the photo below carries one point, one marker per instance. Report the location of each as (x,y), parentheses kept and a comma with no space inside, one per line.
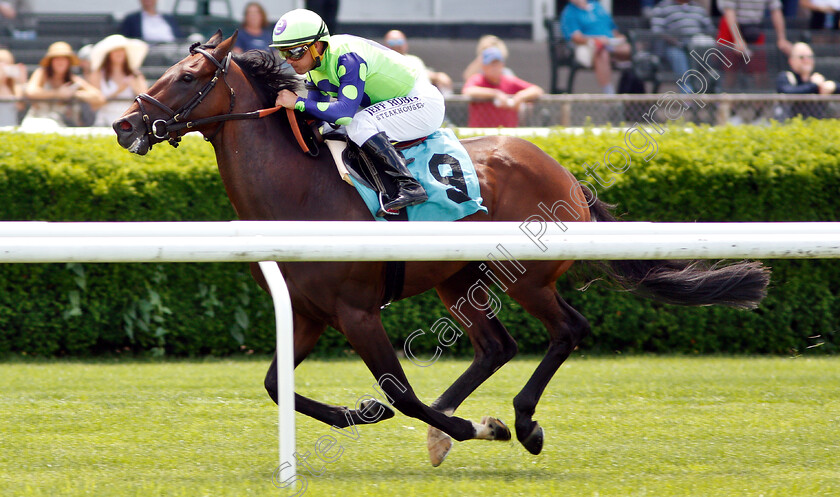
(614,427)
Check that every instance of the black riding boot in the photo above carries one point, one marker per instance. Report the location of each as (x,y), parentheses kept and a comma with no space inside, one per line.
(410,191)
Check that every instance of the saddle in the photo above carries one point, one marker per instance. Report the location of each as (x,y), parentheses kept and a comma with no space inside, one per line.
(439,162)
(353,163)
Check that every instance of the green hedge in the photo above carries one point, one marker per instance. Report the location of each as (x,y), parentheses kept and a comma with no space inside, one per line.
(780,173)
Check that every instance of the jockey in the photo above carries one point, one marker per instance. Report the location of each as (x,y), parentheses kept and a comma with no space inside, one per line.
(379,96)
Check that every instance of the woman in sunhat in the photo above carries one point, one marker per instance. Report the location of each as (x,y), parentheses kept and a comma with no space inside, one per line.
(53,88)
(115,69)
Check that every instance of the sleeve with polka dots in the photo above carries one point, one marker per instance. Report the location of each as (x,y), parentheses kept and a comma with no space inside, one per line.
(352,72)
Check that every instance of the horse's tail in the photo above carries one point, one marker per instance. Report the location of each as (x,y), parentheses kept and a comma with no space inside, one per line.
(741,284)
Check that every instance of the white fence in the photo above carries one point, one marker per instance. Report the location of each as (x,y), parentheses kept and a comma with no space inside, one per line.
(537,239)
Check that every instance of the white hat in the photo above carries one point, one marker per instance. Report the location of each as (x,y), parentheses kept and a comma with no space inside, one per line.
(136,51)
(84,52)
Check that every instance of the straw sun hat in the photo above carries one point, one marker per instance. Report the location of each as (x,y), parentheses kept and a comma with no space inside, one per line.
(136,51)
(60,49)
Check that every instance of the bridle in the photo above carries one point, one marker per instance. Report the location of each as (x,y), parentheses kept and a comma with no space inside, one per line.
(164,129)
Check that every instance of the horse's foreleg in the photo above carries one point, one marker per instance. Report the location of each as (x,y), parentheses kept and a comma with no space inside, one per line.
(368,411)
(493,347)
(366,335)
(306,334)
(566,328)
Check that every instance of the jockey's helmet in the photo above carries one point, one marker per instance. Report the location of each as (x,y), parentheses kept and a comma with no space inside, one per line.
(299,27)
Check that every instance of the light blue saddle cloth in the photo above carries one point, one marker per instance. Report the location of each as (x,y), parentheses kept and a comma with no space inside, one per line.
(441,164)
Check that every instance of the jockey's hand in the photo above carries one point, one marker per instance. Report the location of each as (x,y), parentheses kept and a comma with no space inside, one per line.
(286,98)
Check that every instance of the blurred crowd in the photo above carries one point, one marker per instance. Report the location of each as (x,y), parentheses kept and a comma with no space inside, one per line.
(92,85)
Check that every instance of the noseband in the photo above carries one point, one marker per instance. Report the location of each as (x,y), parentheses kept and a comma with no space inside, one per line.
(178,120)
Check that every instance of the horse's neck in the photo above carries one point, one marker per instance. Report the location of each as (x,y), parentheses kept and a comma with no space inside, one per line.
(267,176)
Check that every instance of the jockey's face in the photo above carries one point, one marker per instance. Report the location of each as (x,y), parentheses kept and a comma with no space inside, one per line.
(307,62)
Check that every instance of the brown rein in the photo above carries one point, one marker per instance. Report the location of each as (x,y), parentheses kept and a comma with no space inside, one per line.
(160,128)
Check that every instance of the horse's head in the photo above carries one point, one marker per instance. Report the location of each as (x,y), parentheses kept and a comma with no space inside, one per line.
(184,94)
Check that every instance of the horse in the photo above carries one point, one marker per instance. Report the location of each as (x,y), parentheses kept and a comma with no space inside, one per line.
(267,177)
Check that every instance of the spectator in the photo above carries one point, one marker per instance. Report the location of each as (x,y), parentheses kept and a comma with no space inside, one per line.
(84,60)
(255,32)
(12,76)
(790,8)
(484,42)
(10,22)
(801,79)
(683,26)
(150,26)
(7,10)
(115,70)
(745,17)
(647,7)
(58,88)
(12,79)
(328,10)
(596,39)
(395,40)
(823,13)
(497,96)
(10,10)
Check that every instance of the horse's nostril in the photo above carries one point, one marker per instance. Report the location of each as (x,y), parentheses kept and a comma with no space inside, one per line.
(125,126)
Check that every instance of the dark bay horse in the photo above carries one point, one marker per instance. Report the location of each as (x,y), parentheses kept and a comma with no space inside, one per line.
(267,177)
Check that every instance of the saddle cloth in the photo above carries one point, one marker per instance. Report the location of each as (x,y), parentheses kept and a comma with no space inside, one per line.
(441,164)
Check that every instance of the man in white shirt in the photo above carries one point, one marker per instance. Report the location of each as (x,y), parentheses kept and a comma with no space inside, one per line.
(151,26)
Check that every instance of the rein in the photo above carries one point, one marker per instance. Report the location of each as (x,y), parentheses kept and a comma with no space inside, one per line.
(178,120)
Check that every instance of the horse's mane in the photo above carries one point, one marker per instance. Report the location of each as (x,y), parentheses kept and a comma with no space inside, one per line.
(263,70)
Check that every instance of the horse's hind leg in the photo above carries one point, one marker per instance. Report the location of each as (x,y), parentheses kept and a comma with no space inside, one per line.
(493,347)
(492,344)
(566,328)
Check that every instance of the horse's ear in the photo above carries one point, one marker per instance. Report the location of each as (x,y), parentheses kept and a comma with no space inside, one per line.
(215,39)
(223,48)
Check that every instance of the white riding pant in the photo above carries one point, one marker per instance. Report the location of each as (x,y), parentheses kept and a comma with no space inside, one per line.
(414,116)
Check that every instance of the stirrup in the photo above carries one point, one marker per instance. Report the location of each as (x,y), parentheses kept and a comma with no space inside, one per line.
(382,212)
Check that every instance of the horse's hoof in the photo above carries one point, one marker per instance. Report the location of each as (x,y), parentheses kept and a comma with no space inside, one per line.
(534,441)
(498,430)
(439,445)
(377,411)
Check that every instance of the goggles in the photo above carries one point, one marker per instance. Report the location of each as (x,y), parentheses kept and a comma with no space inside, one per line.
(295,53)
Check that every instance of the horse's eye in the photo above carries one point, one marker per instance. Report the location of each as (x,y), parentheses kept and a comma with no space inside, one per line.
(188,78)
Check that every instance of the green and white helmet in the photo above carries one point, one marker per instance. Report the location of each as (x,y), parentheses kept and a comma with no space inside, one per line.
(298,27)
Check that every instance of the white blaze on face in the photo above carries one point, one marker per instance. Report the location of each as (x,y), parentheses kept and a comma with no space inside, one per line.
(135,146)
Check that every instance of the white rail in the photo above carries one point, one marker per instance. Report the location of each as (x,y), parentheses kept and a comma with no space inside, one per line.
(366,241)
